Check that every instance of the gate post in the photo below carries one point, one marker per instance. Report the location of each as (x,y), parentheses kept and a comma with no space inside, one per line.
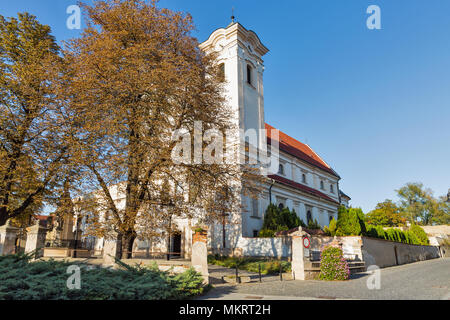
(199,258)
(298,263)
(36,239)
(8,235)
(110,250)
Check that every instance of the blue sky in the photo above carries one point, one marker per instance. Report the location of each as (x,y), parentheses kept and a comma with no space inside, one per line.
(374,104)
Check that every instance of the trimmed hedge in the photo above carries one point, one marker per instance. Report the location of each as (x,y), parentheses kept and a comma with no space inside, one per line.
(415,234)
(250,264)
(351,222)
(21,279)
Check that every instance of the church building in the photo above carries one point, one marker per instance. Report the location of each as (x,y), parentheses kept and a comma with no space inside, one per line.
(304,181)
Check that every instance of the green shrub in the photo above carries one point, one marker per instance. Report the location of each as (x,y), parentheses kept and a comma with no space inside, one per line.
(415,235)
(21,279)
(381,233)
(266,233)
(420,234)
(332,227)
(313,224)
(250,264)
(350,222)
(276,219)
(333,266)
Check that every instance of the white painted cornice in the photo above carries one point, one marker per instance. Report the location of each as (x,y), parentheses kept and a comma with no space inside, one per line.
(234,33)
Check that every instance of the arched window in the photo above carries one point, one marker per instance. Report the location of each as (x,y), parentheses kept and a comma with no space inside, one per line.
(321,185)
(281,169)
(249,74)
(281,206)
(331,188)
(304,178)
(308,217)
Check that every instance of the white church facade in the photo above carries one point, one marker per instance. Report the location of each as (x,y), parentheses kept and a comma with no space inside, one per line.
(304,182)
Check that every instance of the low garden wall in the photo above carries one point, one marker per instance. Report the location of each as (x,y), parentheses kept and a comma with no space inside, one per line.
(379,252)
(279,247)
(372,251)
(384,253)
(351,246)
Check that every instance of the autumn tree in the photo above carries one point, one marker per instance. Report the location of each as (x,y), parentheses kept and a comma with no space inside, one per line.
(386,214)
(137,77)
(33,149)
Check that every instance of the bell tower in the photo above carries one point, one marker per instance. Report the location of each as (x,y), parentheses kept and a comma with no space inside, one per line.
(241,51)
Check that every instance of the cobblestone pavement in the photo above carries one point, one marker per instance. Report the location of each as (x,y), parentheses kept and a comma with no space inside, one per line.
(421,280)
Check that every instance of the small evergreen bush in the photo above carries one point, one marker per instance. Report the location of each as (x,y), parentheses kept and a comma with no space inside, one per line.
(250,264)
(333,266)
(21,279)
(313,224)
(331,229)
(350,222)
(276,219)
(420,234)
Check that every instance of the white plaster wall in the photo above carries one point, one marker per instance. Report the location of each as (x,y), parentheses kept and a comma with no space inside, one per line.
(266,247)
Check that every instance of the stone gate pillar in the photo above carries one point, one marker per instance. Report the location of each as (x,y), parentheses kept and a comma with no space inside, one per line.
(109,252)
(298,255)
(199,258)
(36,239)
(8,235)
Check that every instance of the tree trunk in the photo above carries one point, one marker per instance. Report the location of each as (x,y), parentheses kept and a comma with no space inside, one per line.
(127,244)
(3,216)
(119,246)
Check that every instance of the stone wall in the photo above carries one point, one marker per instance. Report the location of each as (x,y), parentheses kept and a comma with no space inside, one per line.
(279,247)
(384,253)
(351,246)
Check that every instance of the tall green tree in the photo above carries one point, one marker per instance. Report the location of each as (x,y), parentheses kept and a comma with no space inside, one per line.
(441,211)
(351,222)
(420,206)
(33,147)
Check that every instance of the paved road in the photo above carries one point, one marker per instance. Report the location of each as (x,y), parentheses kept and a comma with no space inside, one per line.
(421,280)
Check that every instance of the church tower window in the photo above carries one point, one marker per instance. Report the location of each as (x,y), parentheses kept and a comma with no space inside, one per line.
(249,74)
(221,72)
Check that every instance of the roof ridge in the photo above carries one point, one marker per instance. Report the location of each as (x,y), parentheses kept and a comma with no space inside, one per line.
(309,155)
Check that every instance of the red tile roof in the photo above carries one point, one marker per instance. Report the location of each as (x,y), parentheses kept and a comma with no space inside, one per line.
(299,150)
(302,187)
(311,232)
(41,217)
